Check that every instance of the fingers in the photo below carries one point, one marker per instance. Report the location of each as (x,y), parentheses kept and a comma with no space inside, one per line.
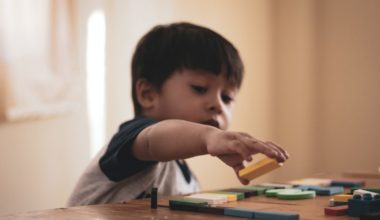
(284,152)
(245,145)
(231,160)
(243,151)
(256,146)
(268,148)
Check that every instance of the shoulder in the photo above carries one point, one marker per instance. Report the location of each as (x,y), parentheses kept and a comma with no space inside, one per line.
(137,122)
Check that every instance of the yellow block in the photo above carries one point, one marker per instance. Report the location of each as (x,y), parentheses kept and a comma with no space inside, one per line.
(342,197)
(230,197)
(257,169)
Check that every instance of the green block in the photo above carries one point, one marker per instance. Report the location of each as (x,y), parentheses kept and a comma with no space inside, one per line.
(275,192)
(260,189)
(289,195)
(188,201)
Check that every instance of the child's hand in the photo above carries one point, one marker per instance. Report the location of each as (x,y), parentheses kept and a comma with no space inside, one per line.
(235,147)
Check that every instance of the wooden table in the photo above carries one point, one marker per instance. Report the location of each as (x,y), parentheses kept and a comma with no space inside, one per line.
(140,209)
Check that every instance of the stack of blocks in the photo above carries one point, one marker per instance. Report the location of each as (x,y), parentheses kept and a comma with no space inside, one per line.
(202,202)
(363,204)
(341,199)
(357,206)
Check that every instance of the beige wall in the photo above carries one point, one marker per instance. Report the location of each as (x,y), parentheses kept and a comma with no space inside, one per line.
(40,160)
(326,81)
(294,84)
(348,86)
(311,85)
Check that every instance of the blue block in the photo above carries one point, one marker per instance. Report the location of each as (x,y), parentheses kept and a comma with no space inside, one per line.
(303,187)
(245,213)
(347,183)
(323,191)
(332,190)
(266,215)
(340,203)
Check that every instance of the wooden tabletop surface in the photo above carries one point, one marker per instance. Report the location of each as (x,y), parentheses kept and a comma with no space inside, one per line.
(140,209)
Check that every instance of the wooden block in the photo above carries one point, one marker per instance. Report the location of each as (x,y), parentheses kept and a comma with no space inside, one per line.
(322,190)
(260,189)
(239,196)
(247,192)
(194,208)
(211,210)
(347,182)
(331,203)
(210,199)
(340,203)
(188,201)
(244,213)
(257,169)
(375,190)
(237,212)
(230,197)
(337,210)
(287,194)
(312,182)
(274,192)
(362,204)
(269,215)
(362,192)
(342,197)
(184,207)
(277,185)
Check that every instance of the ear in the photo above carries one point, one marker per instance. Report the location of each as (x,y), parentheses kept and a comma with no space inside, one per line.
(146,94)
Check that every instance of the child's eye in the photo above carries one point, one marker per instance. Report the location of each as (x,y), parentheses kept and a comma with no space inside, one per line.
(199,89)
(227,99)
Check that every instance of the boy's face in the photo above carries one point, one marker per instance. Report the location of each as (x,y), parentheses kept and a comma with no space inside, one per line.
(196,96)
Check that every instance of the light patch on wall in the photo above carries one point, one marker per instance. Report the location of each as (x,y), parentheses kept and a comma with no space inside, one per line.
(95,67)
(37,59)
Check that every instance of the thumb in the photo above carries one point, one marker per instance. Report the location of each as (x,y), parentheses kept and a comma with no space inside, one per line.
(237,168)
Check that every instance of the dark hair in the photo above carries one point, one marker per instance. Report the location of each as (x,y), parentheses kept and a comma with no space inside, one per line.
(167,48)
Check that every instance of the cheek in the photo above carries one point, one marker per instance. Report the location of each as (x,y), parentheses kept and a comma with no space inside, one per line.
(228,115)
(176,106)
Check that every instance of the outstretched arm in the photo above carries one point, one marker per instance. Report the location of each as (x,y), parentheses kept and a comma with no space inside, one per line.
(171,139)
(178,139)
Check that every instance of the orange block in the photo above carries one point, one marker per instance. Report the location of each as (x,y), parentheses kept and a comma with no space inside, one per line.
(260,168)
(342,197)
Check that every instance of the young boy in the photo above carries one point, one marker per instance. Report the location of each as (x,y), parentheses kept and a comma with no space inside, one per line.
(185,79)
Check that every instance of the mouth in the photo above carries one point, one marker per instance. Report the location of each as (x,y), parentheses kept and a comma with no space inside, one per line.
(211,122)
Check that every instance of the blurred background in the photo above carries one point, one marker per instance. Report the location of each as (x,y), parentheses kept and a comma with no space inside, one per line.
(312,85)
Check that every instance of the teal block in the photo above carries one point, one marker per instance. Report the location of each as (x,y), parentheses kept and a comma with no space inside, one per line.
(265,215)
(245,213)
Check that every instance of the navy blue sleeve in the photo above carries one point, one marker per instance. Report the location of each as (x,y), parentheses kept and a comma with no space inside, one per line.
(118,162)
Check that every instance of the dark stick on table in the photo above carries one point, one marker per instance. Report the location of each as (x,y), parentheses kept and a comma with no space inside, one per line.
(153,198)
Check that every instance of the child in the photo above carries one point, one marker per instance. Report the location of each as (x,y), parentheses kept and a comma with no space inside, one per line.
(184,82)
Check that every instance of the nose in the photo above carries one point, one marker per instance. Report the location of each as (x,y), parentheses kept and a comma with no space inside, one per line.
(214,105)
